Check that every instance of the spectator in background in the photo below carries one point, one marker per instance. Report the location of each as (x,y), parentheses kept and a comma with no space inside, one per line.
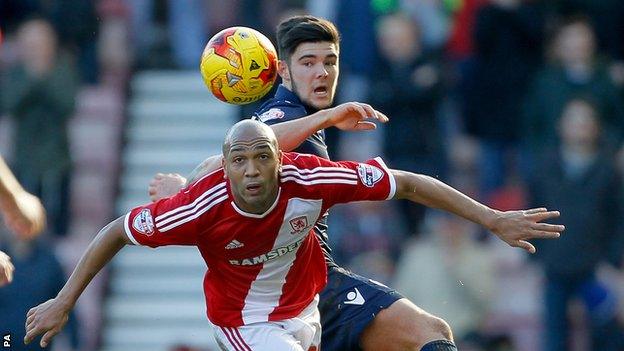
(606,16)
(39,93)
(408,86)
(507,42)
(580,178)
(75,21)
(186,32)
(575,71)
(459,272)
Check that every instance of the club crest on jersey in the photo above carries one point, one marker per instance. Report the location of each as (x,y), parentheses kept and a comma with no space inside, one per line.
(298,224)
(143,222)
(369,174)
(274,113)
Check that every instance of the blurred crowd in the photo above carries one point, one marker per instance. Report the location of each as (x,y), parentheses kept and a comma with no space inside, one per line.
(515,102)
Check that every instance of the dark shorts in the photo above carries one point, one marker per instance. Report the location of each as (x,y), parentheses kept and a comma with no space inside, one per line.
(348,304)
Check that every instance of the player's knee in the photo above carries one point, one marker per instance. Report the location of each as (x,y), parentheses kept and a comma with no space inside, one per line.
(440,327)
(429,328)
(408,326)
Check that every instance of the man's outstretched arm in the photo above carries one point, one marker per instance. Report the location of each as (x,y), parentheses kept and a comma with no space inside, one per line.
(22,211)
(49,317)
(513,227)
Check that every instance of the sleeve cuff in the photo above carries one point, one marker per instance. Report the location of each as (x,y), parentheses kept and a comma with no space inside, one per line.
(390,177)
(128,230)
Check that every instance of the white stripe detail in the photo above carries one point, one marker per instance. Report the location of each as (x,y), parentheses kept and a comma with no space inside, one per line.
(209,199)
(266,290)
(190,218)
(231,340)
(193,204)
(319,175)
(128,230)
(319,181)
(237,335)
(390,176)
(317,169)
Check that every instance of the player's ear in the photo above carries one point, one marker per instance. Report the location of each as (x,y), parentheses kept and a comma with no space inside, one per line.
(224,167)
(279,159)
(283,71)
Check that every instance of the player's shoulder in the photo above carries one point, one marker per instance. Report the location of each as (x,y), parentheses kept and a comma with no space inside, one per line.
(302,160)
(310,169)
(276,109)
(213,182)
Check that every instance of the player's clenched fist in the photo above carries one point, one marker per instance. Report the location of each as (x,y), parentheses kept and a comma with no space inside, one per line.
(6,269)
(47,319)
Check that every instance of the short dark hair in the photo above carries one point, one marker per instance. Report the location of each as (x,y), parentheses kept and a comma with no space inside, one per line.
(304,29)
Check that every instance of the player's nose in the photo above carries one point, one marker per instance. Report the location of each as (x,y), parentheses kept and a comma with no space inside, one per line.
(251,169)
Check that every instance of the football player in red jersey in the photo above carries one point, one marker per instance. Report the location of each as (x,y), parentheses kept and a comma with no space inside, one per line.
(241,219)
(308,49)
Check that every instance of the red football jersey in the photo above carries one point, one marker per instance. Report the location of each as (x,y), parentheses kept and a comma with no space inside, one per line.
(262,267)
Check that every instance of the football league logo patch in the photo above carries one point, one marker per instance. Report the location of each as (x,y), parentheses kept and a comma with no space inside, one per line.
(369,174)
(271,114)
(143,222)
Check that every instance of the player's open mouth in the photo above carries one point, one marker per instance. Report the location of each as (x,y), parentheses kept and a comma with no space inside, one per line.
(320,91)
(253,188)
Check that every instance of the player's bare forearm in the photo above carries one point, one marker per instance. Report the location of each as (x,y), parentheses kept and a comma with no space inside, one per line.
(347,116)
(22,211)
(513,227)
(433,193)
(8,184)
(49,317)
(292,133)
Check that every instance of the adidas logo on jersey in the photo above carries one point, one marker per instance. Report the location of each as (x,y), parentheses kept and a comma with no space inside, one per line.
(234,244)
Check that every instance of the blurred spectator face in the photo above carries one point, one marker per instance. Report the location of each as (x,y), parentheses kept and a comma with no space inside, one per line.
(575,44)
(398,38)
(579,125)
(36,41)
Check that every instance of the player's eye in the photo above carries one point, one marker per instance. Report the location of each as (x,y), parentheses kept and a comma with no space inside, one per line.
(330,63)
(237,159)
(264,157)
(308,64)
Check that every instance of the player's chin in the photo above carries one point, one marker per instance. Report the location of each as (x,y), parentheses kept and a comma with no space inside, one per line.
(321,103)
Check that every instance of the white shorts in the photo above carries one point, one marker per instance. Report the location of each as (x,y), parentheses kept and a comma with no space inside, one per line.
(301,333)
